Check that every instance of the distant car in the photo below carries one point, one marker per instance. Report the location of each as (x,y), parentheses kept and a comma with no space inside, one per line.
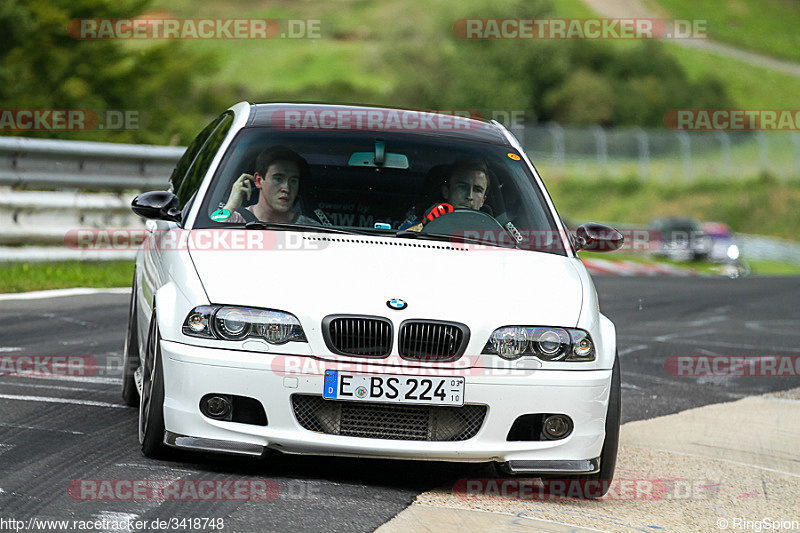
(682,239)
(723,245)
(378,341)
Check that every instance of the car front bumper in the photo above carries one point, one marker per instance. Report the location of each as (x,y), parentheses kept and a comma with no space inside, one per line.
(190,372)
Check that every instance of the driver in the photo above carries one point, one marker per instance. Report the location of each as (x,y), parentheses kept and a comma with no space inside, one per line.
(464,188)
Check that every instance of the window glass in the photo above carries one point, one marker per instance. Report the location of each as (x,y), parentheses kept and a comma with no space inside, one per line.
(331,179)
(194,177)
(182,167)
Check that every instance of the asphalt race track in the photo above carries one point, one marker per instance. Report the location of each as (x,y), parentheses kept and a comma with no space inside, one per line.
(56,431)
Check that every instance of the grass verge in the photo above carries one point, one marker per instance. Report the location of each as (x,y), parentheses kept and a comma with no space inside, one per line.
(757,268)
(23,277)
(774,268)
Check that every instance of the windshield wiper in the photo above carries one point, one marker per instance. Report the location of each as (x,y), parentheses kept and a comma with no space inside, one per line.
(288,226)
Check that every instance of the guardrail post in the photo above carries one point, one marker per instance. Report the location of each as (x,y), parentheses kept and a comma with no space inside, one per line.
(686,154)
(763,156)
(644,152)
(602,148)
(518,131)
(558,144)
(725,146)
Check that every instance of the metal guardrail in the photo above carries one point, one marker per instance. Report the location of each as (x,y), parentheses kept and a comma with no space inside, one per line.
(768,248)
(43,217)
(85,165)
(76,170)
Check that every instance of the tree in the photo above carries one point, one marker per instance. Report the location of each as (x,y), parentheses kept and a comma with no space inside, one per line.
(43,67)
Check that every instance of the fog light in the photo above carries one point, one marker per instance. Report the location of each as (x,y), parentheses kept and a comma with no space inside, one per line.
(557,426)
(215,406)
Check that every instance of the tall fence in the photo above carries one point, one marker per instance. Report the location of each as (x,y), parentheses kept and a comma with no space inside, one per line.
(660,154)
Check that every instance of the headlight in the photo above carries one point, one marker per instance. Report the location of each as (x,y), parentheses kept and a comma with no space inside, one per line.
(582,346)
(232,323)
(237,323)
(549,344)
(733,252)
(508,343)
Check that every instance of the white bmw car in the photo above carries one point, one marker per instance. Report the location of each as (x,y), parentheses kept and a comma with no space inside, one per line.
(369,282)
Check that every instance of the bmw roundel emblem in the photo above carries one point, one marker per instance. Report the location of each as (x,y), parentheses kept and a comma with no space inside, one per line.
(397,304)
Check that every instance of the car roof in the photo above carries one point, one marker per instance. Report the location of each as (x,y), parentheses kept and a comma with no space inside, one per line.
(326,117)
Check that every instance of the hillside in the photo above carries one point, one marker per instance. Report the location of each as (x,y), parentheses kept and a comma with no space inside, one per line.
(766,26)
(348,62)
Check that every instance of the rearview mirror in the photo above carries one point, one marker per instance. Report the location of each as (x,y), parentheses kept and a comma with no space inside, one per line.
(157,205)
(367,159)
(598,237)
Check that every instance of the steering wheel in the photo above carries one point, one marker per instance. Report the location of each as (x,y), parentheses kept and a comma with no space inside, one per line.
(460,220)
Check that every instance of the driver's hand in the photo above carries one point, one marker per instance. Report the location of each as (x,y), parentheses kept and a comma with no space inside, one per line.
(241,188)
(437,211)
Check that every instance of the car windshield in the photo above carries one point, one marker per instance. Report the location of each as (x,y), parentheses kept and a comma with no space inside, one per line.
(384,183)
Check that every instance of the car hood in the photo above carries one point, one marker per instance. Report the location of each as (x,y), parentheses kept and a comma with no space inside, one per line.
(325,274)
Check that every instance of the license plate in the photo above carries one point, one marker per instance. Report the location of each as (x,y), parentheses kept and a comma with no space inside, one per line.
(393,389)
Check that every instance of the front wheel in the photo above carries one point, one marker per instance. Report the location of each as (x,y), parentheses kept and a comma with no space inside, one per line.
(130,361)
(151,405)
(592,486)
(596,485)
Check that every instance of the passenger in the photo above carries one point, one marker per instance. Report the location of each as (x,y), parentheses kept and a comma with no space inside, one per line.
(279,171)
(464,188)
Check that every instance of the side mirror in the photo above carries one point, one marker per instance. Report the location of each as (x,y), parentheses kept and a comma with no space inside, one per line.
(157,205)
(598,238)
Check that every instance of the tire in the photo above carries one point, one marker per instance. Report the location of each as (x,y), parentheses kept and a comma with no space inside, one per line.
(597,485)
(130,361)
(592,486)
(151,405)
